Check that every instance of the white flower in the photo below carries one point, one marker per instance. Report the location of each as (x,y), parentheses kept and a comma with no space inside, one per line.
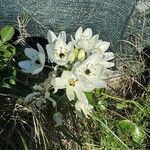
(51,36)
(59,52)
(101,46)
(73,85)
(36,62)
(83,107)
(89,43)
(93,69)
(57,49)
(85,39)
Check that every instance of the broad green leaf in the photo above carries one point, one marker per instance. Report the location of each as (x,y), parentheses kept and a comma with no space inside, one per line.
(3,47)
(6,33)
(138,135)
(7,54)
(126,126)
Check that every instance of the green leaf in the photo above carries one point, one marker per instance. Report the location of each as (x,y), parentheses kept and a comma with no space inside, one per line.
(99,92)
(1,42)
(102,105)
(6,33)
(3,47)
(121,105)
(7,54)
(12,49)
(138,135)
(126,126)
(106,127)
(89,95)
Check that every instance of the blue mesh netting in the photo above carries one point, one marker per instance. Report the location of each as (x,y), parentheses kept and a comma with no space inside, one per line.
(106,17)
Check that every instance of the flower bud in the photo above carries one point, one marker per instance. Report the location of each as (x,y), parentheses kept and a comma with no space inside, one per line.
(81,55)
(73,55)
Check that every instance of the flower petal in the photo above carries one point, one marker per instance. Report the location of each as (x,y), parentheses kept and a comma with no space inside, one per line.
(80,95)
(104,46)
(70,93)
(88,33)
(108,56)
(58,83)
(83,44)
(93,41)
(70,46)
(98,83)
(82,107)
(62,35)
(107,64)
(50,52)
(66,75)
(73,41)
(27,66)
(41,54)
(60,44)
(85,85)
(37,69)
(95,38)
(78,33)
(51,36)
(30,67)
(31,53)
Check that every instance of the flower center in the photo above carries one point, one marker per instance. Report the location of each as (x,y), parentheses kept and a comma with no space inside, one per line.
(72,82)
(37,62)
(61,55)
(87,71)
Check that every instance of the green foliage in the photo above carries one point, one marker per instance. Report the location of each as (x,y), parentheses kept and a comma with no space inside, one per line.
(138,135)
(126,126)
(6,33)
(129,128)
(7,51)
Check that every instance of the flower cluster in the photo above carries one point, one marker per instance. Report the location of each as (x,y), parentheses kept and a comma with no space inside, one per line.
(83,65)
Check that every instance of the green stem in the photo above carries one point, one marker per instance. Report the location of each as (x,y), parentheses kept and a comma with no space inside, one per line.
(125,101)
(108,129)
